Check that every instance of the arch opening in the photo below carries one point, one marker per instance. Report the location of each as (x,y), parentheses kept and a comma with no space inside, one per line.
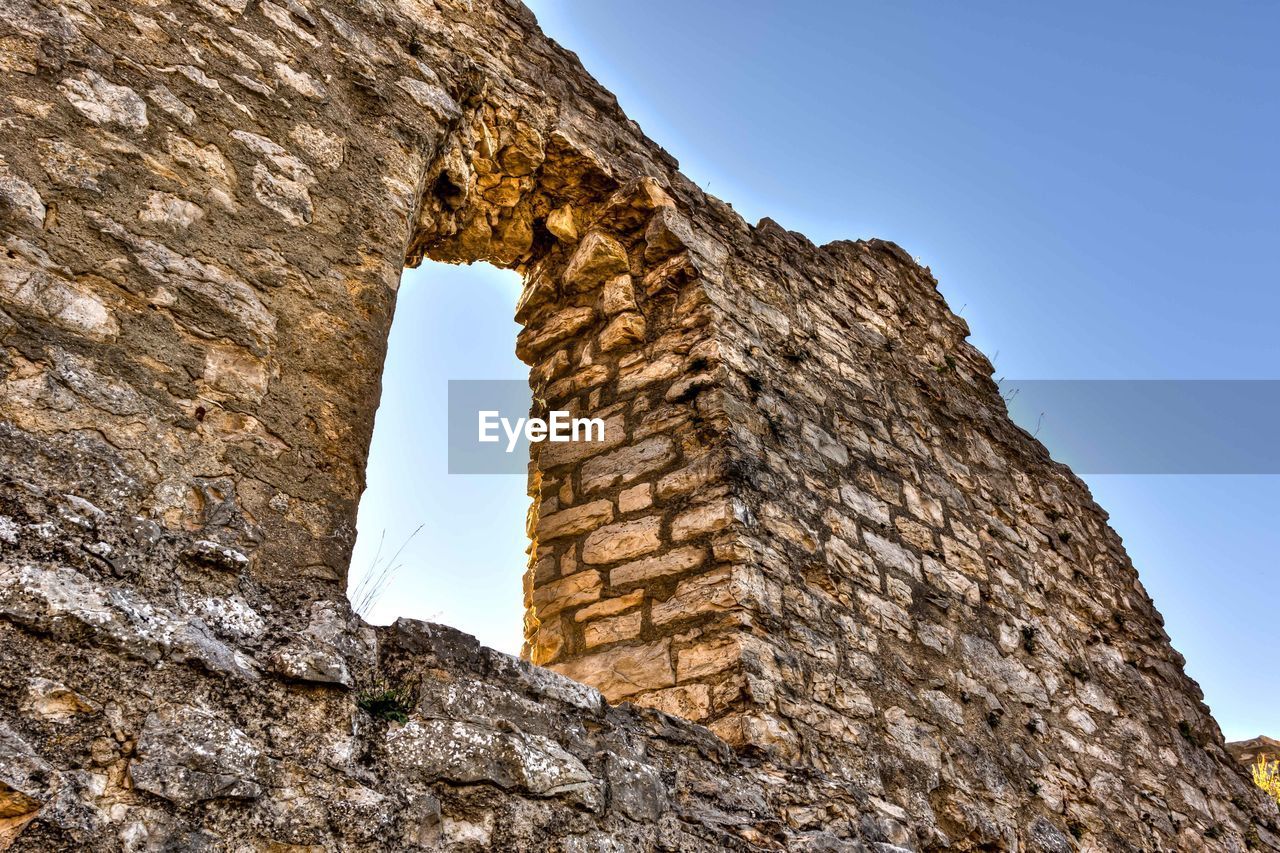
(615,324)
(430,545)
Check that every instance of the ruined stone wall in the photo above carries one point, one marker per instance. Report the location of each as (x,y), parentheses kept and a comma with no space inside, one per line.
(812,526)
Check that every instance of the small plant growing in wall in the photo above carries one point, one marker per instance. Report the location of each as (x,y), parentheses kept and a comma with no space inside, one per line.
(384,701)
(1266,775)
(1029,643)
(1190,735)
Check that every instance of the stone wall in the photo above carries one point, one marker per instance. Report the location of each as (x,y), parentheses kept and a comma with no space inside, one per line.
(812,526)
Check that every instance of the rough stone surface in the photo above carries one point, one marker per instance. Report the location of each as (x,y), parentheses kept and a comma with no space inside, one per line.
(1250,752)
(811,527)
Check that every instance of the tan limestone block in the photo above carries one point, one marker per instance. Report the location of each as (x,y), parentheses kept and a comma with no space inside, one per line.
(598,258)
(706,518)
(609,606)
(625,330)
(671,563)
(623,671)
(628,464)
(556,328)
(704,470)
(612,629)
(547,643)
(575,520)
(551,454)
(622,541)
(560,224)
(690,701)
(635,498)
(580,588)
(705,593)
(914,533)
(619,295)
(708,658)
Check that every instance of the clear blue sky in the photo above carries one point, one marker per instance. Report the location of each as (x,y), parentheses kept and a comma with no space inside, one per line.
(1095,186)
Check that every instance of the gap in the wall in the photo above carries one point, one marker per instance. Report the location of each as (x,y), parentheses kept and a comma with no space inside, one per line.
(464,567)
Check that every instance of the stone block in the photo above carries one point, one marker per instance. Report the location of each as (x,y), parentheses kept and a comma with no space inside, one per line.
(635,498)
(624,540)
(598,257)
(609,606)
(619,295)
(612,629)
(705,518)
(695,596)
(575,520)
(623,671)
(580,588)
(625,330)
(690,701)
(671,563)
(628,464)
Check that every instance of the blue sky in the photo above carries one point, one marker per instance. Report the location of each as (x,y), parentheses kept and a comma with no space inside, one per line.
(1094,185)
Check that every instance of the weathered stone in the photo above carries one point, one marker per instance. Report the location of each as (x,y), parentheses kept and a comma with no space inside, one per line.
(659,370)
(635,498)
(187,755)
(103,102)
(64,603)
(170,212)
(70,166)
(322,651)
(547,643)
(20,199)
(625,330)
(635,789)
(705,470)
(622,541)
(551,455)
(555,329)
(671,563)
(24,783)
(708,658)
(609,606)
(55,701)
(696,596)
(26,286)
(560,223)
(619,295)
(893,555)
(235,371)
(598,258)
(612,629)
(462,753)
(579,588)
(705,518)
(195,295)
(668,232)
(575,520)
(628,464)
(690,701)
(624,671)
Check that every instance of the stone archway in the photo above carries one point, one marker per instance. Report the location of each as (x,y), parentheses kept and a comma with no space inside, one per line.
(617,325)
